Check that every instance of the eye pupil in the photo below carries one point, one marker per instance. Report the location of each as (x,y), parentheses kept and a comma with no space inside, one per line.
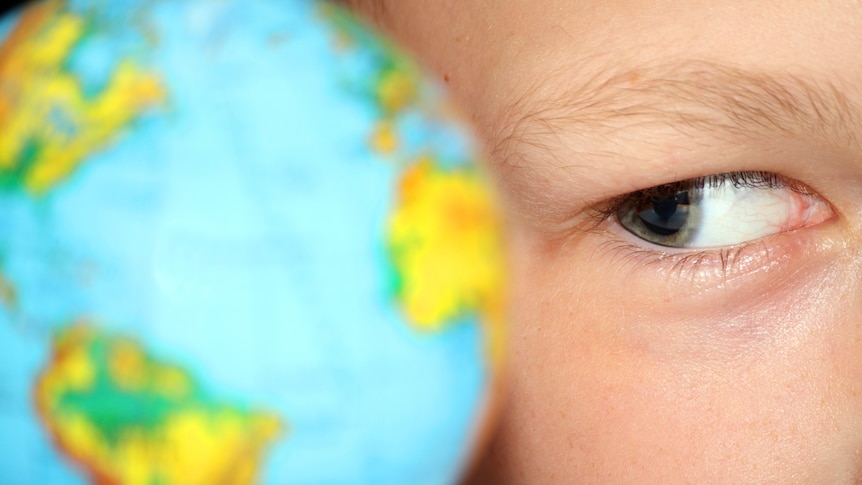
(665,208)
(666,216)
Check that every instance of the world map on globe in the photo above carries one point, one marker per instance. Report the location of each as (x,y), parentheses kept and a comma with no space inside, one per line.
(240,242)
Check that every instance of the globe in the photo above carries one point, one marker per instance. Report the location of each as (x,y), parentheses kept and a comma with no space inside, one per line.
(240,242)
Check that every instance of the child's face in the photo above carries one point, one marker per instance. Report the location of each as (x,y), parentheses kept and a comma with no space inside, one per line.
(737,359)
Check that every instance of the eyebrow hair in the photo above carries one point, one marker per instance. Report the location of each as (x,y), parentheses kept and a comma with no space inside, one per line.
(691,97)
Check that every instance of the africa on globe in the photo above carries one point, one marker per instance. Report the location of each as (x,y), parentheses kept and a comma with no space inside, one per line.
(242,242)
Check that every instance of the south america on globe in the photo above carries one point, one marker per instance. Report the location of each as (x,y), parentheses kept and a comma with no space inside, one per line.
(240,242)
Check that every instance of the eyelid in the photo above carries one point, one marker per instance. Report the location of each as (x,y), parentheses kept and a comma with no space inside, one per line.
(715,276)
(699,273)
(754,179)
(691,265)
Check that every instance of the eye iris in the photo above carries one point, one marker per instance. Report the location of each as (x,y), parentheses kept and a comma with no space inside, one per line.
(666,216)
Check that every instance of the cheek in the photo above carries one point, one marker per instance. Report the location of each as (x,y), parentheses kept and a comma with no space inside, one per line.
(613,386)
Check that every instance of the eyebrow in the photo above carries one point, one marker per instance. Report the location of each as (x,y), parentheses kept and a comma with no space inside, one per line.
(690,97)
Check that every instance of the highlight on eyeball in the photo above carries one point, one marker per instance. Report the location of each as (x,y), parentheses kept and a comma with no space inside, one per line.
(240,242)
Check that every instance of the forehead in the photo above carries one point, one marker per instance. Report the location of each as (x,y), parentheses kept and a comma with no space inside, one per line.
(645,76)
(545,47)
(626,80)
(521,53)
(575,94)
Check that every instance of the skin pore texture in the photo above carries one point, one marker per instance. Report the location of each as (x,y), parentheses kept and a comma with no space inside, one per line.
(633,362)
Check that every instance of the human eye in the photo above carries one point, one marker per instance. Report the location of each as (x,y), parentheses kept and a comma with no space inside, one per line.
(719,211)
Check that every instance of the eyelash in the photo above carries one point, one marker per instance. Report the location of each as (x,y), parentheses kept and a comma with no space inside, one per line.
(686,263)
(749,179)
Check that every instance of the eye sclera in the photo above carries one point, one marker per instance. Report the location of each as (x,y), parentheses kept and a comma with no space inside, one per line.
(721,210)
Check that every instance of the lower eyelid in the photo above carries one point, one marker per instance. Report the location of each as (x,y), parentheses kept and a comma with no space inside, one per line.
(692,266)
(625,248)
(678,271)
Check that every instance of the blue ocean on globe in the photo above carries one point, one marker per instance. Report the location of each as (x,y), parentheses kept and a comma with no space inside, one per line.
(242,242)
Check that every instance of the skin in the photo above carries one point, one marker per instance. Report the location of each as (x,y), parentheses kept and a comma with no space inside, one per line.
(633,363)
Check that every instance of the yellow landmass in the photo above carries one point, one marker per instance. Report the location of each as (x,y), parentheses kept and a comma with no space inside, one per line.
(384,140)
(127,366)
(397,88)
(73,369)
(193,447)
(223,447)
(49,125)
(395,79)
(446,245)
(96,397)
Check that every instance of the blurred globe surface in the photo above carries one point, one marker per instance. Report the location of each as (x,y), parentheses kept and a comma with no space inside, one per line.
(240,242)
